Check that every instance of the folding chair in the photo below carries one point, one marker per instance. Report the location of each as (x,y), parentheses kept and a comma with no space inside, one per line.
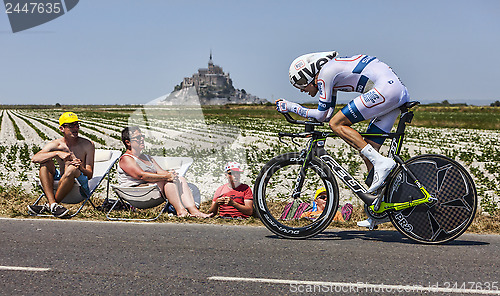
(103,163)
(150,196)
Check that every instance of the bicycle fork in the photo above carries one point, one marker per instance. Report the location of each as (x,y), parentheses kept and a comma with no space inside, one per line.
(297,190)
(306,154)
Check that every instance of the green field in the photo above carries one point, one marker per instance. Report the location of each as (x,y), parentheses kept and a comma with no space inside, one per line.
(487,118)
(467,134)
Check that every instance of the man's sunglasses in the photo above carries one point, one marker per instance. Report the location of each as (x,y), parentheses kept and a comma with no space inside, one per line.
(71,125)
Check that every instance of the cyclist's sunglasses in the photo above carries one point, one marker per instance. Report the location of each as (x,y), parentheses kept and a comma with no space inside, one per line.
(322,196)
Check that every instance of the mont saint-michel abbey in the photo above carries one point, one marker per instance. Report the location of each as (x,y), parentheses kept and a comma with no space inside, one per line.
(210,86)
(213,77)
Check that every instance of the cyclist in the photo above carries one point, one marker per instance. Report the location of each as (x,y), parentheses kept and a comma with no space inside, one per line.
(381,94)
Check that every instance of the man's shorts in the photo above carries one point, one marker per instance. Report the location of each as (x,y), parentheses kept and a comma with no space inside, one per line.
(82,180)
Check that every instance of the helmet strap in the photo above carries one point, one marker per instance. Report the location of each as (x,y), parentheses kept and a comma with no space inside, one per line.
(315,80)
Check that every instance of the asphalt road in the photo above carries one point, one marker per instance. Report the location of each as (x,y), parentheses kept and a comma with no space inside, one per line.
(110,258)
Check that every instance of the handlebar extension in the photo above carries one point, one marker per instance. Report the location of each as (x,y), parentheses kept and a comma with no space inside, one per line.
(295,121)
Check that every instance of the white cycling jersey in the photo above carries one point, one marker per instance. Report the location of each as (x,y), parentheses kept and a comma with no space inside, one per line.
(381,92)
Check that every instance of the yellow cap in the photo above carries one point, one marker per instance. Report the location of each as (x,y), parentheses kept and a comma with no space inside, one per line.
(67,117)
(319,191)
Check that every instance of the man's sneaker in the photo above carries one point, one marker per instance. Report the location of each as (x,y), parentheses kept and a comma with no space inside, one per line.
(380,172)
(59,211)
(37,209)
(371,223)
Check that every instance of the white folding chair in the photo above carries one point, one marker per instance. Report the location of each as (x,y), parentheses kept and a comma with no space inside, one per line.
(103,163)
(150,196)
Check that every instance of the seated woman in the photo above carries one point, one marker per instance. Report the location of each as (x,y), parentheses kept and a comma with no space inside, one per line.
(136,169)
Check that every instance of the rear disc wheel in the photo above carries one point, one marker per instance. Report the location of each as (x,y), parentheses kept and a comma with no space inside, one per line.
(436,222)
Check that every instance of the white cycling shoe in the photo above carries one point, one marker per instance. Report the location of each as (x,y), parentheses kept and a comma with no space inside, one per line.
(382,166)
(381,172)
(370,223)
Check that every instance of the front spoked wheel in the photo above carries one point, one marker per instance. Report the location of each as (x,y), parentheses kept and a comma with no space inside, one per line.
(280,211)
(440,221)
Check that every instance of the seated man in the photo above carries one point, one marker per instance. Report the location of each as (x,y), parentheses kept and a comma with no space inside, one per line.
(319,204)
(233,199)
(75,157)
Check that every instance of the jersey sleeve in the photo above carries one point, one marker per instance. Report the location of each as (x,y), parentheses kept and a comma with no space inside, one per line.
(248,194)
(327,94)
(318,114)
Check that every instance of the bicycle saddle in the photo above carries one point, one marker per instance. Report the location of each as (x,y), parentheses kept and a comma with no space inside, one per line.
(411,104)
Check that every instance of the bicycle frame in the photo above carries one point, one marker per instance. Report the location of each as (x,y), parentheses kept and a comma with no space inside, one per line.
(316,147)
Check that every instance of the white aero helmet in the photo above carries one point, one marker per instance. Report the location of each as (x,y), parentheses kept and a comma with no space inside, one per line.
(304,68)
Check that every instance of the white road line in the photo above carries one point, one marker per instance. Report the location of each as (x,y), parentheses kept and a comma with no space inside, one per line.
(301,286)
(20,268)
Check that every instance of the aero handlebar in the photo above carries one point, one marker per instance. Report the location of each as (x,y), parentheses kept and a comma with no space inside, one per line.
(294,121)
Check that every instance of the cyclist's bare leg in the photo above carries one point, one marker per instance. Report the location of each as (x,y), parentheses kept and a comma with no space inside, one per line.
(341,126)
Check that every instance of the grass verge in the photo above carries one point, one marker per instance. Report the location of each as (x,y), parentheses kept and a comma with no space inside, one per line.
(14,200)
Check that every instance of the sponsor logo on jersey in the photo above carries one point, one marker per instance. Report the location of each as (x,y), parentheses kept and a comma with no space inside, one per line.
(353,113)
(302,112)
(372,98)
(321,89)
(361,83)
(362,64)
(324,106)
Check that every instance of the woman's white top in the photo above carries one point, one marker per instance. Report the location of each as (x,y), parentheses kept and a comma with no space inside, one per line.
(125,179)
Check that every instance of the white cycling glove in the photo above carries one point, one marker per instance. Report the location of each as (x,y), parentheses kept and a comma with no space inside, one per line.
(285,106)
(281,106)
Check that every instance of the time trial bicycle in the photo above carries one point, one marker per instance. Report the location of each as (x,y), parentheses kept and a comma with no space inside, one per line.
(429,198)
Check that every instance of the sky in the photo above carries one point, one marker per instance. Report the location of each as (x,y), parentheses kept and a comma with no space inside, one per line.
(131,52)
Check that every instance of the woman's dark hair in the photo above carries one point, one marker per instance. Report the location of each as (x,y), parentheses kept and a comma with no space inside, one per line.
(126,132)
